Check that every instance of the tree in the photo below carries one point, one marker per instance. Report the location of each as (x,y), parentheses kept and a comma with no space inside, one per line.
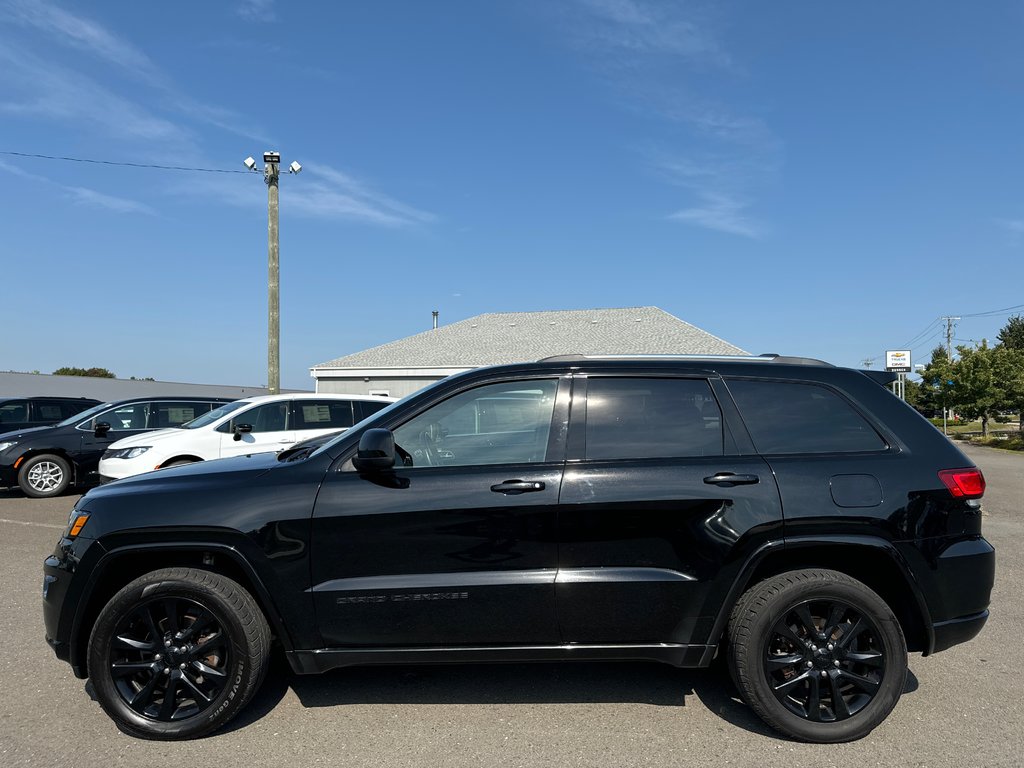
(1012,334)
(102,373)
(1009,371)
(975,391)
(937,378)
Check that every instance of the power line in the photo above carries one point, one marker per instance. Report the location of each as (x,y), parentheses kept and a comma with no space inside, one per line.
(991,312)
(118,163)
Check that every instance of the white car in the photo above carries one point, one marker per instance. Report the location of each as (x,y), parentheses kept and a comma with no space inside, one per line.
(253,425)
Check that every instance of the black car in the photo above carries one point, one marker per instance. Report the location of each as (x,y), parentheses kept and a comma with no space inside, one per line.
(795,517)
(27,412)
(46,461)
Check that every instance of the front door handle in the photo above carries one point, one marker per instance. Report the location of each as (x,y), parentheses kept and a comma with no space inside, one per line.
(513,487)
(728,479)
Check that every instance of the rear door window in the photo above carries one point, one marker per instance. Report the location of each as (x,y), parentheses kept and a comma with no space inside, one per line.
(14,412)
(796,417)
(641,418)
(46,411)
(322,414)
(173,414)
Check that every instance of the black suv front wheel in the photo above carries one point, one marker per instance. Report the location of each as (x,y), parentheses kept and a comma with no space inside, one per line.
(817,655)
(177,653)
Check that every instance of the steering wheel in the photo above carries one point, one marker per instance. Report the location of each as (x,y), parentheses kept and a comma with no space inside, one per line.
(427,448)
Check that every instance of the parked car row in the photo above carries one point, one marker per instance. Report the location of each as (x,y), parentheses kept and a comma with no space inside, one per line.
(109,441)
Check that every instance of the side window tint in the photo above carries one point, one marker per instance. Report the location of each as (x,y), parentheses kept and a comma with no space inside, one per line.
(46,410)
(322,414)
(271,417)
(126,417)
(789,417)
(365,408)
(16,412)
(505,423)
(651,418)
(71,408)
(172,414)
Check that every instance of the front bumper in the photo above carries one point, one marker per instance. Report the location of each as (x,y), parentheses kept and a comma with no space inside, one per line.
(62,595)
(8,476)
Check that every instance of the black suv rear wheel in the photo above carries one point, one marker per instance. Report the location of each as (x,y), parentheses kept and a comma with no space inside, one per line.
(177,653)
(817,655)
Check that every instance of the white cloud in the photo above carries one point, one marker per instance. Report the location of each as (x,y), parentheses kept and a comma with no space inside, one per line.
(83,34)
(256,10)
(83,195)
(649,29)
(40,88)
(320,192)
(1016,226)
(722,213)
(90,37)
(90,197)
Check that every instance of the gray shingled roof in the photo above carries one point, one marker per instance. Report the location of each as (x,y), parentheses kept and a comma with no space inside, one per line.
(512,337)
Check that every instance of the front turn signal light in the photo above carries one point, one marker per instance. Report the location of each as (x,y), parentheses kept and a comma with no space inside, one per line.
(78,524)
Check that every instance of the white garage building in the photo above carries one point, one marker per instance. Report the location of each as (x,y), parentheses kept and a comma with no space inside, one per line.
(404,366)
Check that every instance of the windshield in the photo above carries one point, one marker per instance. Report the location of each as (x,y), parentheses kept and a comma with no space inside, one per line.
(382,413)
(211,416)
(87,413)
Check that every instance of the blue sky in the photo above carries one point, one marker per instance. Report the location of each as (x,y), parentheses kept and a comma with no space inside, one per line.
(808,178)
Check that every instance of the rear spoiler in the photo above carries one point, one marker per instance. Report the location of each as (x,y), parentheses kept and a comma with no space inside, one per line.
(885,378)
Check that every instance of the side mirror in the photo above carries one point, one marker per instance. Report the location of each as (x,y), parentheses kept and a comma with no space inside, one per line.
(101,428)
(242,429)
(376,451)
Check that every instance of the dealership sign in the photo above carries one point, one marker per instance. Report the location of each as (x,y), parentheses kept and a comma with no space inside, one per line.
(898,361)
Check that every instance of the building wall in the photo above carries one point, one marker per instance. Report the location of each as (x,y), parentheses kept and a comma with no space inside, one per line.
(357,385)
(41,384)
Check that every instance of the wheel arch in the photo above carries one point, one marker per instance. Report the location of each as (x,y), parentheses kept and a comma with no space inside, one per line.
(120,566)
(874,562)
(31,453)
(181,457)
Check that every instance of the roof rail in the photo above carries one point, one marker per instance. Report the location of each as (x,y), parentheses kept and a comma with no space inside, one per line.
(766,358)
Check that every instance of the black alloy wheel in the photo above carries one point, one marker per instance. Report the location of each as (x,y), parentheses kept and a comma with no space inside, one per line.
(170,659)
(817,655)
(177,653)
(825,661)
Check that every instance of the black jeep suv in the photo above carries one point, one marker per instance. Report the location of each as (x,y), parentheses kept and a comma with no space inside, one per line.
(795,517)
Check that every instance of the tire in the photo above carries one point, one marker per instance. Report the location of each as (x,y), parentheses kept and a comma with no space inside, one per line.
(817,655)
(44,476)
(195,635)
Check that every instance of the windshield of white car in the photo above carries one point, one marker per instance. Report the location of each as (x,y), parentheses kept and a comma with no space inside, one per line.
(211,416)
(84,415)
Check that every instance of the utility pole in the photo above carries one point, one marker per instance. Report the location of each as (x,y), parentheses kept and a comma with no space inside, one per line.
(271,175)
(867,362)
(949,336)
(949,356)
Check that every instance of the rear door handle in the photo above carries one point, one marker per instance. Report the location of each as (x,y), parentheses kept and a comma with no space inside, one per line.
(513,487)
(728,478)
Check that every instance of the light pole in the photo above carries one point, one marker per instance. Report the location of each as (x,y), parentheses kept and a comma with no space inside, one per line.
(271,174)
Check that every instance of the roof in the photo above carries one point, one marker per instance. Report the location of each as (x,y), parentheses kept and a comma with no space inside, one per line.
(514,337)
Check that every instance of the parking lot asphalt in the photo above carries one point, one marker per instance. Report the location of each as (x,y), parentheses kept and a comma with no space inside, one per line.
(961,707)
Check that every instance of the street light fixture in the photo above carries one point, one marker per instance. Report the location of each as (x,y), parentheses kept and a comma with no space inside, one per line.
(271,174)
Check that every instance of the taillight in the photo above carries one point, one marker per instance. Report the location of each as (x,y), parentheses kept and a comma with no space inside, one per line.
(964,483)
